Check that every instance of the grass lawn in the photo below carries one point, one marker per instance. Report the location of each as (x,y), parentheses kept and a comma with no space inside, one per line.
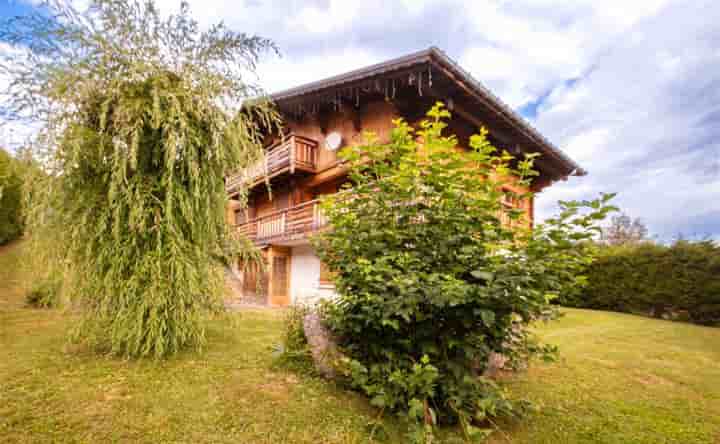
(620,379)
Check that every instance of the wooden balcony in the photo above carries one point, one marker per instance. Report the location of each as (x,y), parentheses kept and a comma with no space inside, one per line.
(283,226)
(298,222)
(295,153)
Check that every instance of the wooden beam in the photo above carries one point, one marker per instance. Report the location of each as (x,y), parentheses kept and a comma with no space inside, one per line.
(412,109)
(323,118)
(357,114)
(334,172)
(504,137)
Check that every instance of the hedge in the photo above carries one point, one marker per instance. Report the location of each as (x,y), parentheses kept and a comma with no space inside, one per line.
(680,281)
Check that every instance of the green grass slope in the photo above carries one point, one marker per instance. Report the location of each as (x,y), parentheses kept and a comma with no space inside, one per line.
(620,379)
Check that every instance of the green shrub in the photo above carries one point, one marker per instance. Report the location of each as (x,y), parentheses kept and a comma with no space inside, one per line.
(44,294)
(293,352)
(431,281)
(681,281)
(293,331)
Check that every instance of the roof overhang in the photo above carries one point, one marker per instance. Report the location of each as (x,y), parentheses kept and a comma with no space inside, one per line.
(433,74)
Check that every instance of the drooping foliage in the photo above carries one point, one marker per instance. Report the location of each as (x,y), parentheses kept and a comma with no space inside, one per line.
(434,273)
(679,281)
(143,116)
(11,219)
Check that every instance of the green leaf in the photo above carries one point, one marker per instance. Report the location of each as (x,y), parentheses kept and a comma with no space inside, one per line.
(416,409)
(378,401)
(482,275)
(488,317)
(477,434)
(391,323)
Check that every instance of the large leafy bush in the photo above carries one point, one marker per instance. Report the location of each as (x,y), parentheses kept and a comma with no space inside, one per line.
(678,281)
(431,281)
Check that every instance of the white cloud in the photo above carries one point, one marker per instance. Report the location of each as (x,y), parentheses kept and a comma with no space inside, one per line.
(13,133)
(315,19)
(586,146)
(646,123)
(628,88)
(502,72)
(278,73)
(523,56)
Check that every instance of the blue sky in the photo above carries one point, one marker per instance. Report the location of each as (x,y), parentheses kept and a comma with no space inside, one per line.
(14,7)
(629,89)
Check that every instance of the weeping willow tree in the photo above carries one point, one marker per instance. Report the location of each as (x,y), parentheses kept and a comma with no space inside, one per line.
(142,117)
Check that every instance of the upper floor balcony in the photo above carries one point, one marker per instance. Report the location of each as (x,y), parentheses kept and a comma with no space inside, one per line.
(294,153)
(285,226)
(296,223)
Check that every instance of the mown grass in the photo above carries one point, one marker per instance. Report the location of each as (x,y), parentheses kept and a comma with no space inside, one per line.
(624,379)
(621,379)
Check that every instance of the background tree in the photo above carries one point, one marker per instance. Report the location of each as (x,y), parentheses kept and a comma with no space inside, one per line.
(624,230)
(434,274)
(143,115)
(11,220)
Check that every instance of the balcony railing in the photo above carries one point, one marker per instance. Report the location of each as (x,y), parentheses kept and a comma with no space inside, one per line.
(294,153)
(285,225)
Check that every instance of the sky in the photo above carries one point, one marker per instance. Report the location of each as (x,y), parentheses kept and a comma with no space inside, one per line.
(630,89)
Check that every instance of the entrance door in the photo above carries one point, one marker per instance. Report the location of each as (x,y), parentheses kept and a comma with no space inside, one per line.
(280,278)
(255,284)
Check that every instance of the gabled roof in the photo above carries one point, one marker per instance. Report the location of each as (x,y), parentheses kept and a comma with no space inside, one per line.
(437,62)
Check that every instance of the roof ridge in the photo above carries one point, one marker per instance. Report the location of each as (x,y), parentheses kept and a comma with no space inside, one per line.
(350,75)
(435,54)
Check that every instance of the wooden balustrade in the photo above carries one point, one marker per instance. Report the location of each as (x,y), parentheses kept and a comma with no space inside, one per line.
(283,225)
(299,221)
(295,153)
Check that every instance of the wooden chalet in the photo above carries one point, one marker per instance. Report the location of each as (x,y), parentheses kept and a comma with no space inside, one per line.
(322,117)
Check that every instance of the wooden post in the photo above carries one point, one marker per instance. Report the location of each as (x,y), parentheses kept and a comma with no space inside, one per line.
(269,275)
(316,216)
(315,154)
(292,154)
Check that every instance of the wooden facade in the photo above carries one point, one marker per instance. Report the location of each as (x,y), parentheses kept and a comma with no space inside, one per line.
(300,167)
